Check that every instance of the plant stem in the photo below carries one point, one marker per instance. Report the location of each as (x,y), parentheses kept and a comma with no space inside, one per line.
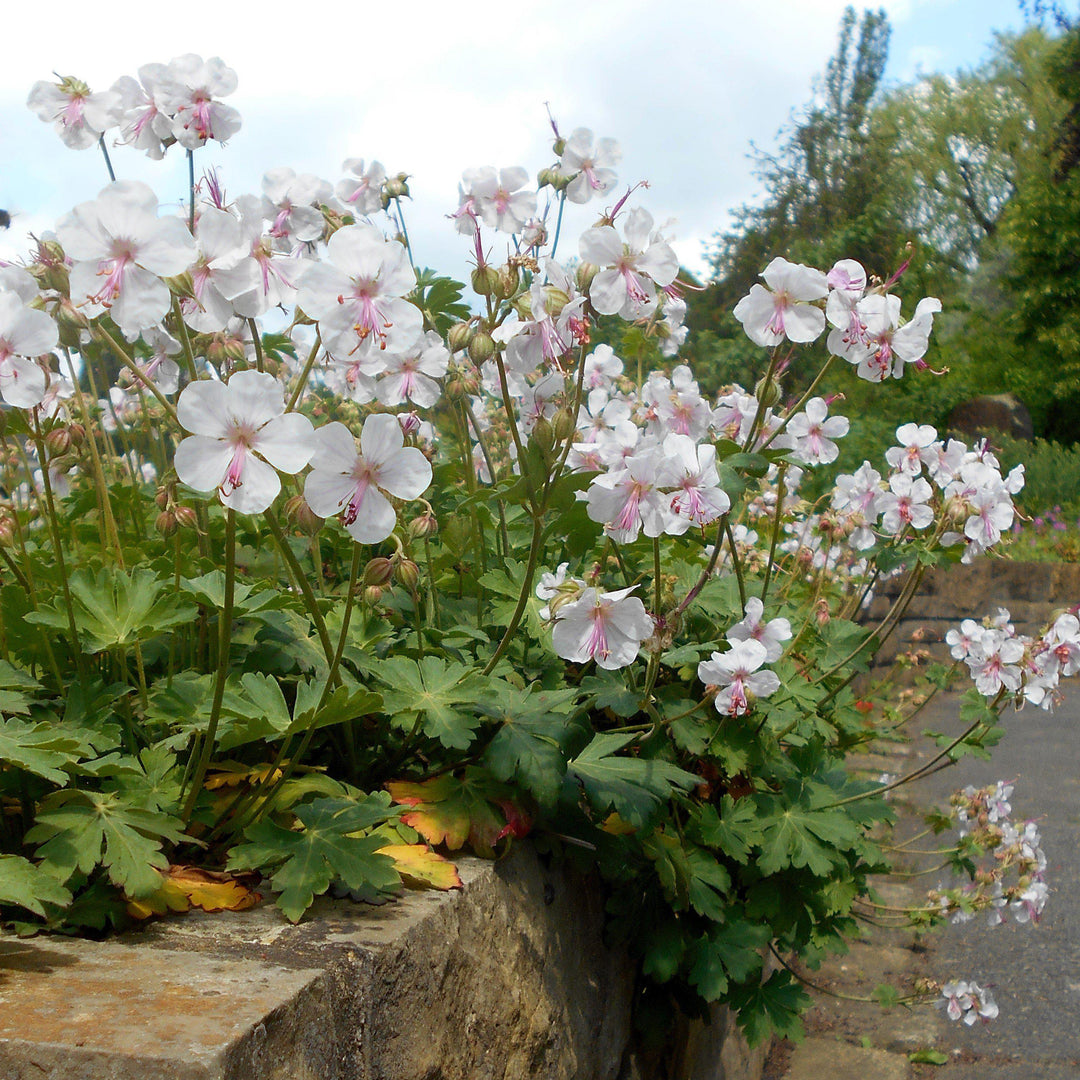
(224,640)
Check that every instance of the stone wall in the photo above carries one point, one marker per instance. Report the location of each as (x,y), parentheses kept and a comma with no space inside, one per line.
(506,979)
(1032,593)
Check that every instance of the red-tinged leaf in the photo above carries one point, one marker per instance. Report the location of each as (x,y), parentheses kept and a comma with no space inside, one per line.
(421,867)
(453,809)
(518,823)
(186,887)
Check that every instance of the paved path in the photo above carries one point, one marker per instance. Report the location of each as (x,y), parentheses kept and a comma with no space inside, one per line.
(1034,972)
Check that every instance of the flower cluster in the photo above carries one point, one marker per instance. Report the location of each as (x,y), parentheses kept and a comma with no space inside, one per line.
(179,102)
(1010,877)
(1001,661)
(967,1001)
(867,328)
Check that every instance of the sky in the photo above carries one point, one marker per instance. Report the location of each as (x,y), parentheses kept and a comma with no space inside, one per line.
(432,88)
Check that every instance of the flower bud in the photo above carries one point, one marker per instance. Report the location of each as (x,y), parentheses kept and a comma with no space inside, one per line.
(543,434)
(481,348)
(408,574)
(58,441)
(454,387)
(162,498)
(372,594)
(180,284)
(301,516)
(584,276)
(555,299)
(78,434)
(768,392)
(166,523)
(459,337)
(485,280)
(422,527)
(378,571)
(186,517)
(562,424)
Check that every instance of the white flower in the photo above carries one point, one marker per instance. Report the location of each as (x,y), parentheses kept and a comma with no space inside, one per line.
(356,293)
(24,332)
(812,434)
(784,310)
(362,191)
(78,116)
(606,627)
(190,97)
(589,165)
(633,269)
(241,435)
(351,483)
(772,634)
(736,673)
(121,250)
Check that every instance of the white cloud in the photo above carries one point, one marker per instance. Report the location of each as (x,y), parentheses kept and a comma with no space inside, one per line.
(432,88)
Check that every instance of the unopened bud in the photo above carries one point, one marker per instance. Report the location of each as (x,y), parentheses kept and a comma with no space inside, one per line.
(180,284)
(186,517)
(555,299)
(408,574)
(563,424)
(485,280)
(162,498)
(459,337)
(584,276)
(454,387)
(481,348)
(543,434)
(396,188)
(768,392)
(58,441)
(301,516)
(422,527)
(546,178)
(378,571)
(166,523)
(372,594)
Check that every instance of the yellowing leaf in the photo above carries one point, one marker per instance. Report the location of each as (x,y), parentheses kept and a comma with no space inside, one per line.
(185,887)
(615,825)
(232,775)
(421,867)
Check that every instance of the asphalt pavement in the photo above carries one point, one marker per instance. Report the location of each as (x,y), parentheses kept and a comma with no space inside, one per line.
(1032,970)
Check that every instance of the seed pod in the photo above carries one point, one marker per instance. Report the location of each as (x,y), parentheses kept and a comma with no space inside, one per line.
(768,392)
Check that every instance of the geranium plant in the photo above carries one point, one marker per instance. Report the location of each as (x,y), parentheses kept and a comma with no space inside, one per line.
(314,572)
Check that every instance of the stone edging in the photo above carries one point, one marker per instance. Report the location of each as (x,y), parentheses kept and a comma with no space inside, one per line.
(506,979)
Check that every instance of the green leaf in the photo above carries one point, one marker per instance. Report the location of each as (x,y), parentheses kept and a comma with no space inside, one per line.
(17,689)
(794,833)
(612,693)
(116,608)
(691,877)
(664,948)
(928,1057)
(633,787)
(733,830)
(442,694)
(43,749)
(77,830)
(327,849)
(729,953)
(772,1007)
(532,743)
(22,883)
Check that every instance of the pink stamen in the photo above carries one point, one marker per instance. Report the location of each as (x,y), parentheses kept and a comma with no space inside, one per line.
(597,643)
(352,507)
